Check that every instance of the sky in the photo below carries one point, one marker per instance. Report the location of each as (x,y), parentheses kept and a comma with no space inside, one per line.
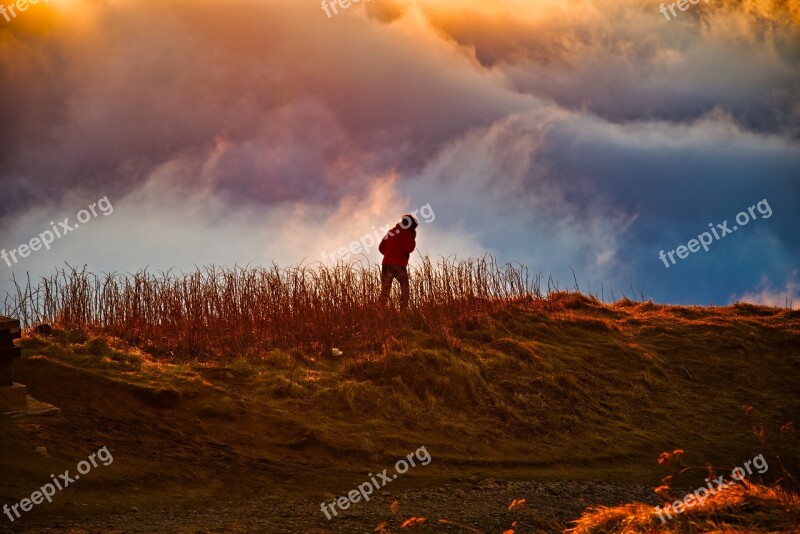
(561,134)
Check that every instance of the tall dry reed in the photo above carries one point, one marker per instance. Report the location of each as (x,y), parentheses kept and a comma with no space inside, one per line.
(217,311)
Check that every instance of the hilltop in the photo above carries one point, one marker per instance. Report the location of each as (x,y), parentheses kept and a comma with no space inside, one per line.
(575,390)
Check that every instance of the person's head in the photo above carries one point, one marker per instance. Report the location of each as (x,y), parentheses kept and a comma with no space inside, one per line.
(408,222)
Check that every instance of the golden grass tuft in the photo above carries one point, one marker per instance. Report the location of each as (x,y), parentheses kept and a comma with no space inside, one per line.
(742,508)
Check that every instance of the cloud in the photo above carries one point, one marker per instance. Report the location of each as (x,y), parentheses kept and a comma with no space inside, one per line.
(305,113)
(765,294)
(587,133)
(556,188)
(625,61)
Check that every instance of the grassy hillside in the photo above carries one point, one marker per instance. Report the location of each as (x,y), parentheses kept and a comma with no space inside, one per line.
(573,389)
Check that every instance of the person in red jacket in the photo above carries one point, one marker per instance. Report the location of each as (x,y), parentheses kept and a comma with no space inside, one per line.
(396,247)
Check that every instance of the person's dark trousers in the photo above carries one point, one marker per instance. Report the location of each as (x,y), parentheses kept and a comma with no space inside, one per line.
(388,274)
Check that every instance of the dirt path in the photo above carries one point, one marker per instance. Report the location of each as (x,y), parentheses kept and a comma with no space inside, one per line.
(480,506)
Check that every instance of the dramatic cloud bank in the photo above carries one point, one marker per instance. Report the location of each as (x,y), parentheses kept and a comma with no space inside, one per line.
(587,134)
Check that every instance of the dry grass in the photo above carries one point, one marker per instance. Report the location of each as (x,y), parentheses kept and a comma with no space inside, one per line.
(746,508)
(483,367)
(219,312)
(566,380)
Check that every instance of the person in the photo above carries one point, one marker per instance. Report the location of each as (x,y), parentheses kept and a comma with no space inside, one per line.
(396,247)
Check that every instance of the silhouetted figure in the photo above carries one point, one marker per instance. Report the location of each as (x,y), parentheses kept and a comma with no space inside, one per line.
(396,247)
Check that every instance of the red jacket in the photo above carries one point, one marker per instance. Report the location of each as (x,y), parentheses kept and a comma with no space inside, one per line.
(397,246)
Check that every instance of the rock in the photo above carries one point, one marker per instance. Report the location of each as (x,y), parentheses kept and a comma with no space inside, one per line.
(42,451)
(134,510)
